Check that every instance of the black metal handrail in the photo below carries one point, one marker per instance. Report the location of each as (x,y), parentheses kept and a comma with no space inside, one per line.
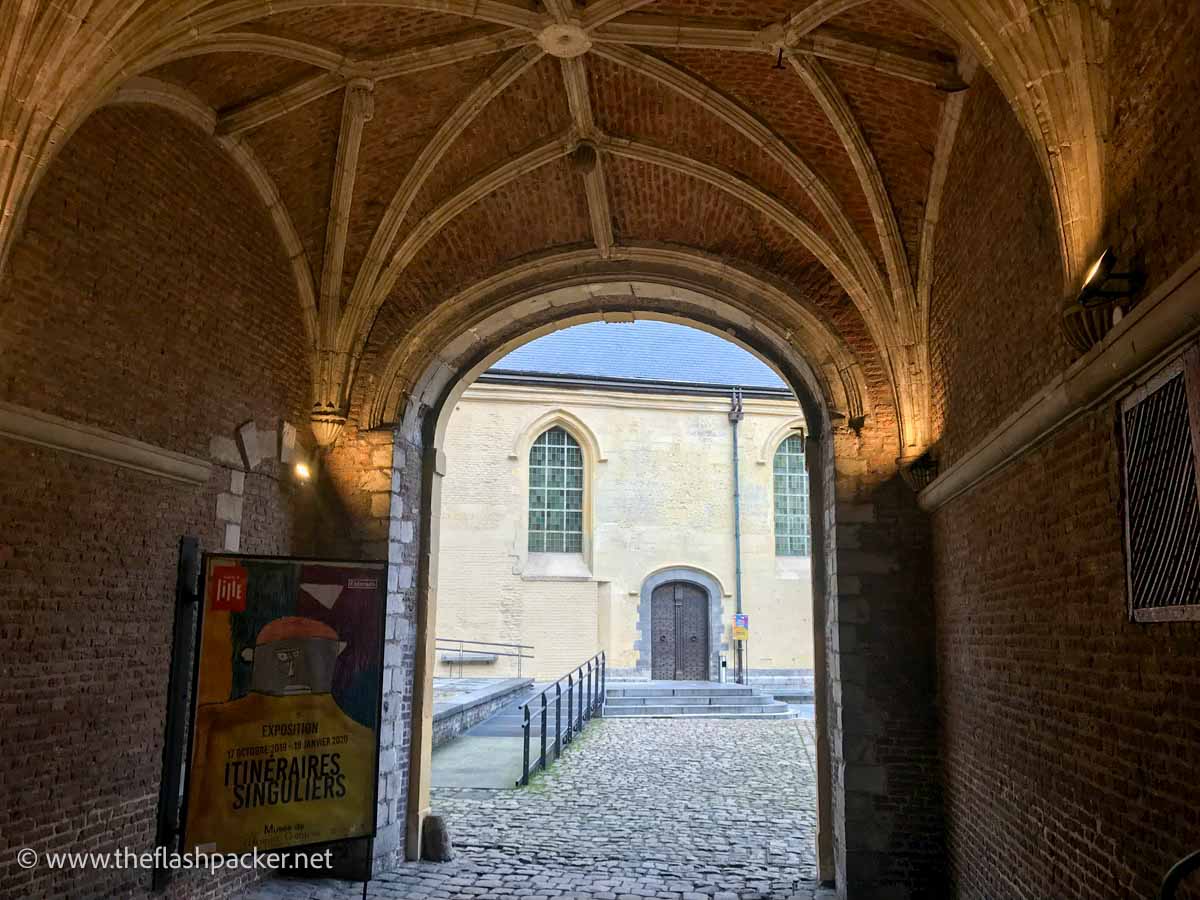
(595,673)
(1179,871)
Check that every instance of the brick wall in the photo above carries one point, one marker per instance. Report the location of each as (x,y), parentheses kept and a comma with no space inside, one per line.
(138,303)
(1069,736)
(1154,155)
(135,302)
(994,332)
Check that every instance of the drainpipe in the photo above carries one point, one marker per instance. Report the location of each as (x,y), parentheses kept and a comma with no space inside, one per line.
(735,416)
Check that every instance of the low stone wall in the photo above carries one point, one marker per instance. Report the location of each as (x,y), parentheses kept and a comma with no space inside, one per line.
(452,717)
(791,683)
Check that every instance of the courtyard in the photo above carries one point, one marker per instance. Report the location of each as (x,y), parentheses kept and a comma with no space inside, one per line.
(635,808)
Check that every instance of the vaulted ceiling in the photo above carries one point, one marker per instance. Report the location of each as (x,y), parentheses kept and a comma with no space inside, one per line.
(409,149)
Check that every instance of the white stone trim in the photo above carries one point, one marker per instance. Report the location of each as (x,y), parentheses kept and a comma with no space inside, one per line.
(315,53)
(574,425)
(741,119)
(358,108)
(821,42)
(575,81)
(351,329)
(766,452)
(46,430)
(554,280)
(259,112)
(596,14)
(841,117)
(815,15)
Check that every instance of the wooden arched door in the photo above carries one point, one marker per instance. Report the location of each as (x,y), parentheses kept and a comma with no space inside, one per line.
(679,632)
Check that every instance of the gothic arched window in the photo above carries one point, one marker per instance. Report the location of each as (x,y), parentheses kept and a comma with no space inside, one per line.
(555,493)
(791,499)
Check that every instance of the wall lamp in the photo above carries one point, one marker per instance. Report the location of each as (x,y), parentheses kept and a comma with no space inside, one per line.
(1098,289)
(302,472)
(919,473)
(1087,318)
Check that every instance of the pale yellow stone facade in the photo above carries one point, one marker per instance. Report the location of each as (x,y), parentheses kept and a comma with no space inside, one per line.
(659,496)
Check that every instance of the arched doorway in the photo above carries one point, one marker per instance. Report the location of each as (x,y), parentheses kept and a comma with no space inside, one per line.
(419,390)
(704,596)
(679,632)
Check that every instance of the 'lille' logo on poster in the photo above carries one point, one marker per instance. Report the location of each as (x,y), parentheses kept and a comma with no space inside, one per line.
(229,589)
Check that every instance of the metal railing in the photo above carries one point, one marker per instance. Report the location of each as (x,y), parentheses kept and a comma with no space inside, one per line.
(460,646)
(588,681)
(1179,872)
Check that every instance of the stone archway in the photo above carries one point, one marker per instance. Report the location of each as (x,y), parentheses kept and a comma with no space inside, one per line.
(423,414)
(874,691)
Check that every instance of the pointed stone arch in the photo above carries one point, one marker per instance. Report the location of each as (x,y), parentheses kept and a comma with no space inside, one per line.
(569,422)
(766,451)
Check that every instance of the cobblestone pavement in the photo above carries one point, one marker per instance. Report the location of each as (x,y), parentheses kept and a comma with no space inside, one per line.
(664,808)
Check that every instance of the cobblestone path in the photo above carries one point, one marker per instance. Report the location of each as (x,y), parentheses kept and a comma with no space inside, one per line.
(664,808)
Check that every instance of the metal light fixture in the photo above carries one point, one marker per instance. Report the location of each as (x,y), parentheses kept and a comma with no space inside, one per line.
(1097,290)
(302,472)
(1088,317)
(920,472)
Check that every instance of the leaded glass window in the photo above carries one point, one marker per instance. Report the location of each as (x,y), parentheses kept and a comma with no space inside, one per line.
(791,499)
(555,494)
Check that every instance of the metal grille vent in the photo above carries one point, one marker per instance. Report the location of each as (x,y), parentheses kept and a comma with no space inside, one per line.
(1162,520)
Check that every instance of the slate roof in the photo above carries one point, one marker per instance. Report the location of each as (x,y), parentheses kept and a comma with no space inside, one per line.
(645,350)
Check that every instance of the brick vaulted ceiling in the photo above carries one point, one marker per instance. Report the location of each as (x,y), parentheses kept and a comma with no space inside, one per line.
(414,152)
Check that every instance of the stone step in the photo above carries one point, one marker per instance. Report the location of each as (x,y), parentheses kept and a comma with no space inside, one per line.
(724,711)
(715,690)
(692,700)
(751,699)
